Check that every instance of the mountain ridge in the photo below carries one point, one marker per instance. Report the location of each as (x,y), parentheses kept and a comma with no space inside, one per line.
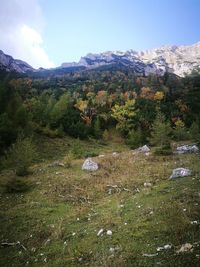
(180,60)
(8,63)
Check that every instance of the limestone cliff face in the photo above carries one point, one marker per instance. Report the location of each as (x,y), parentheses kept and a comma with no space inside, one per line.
(180,60)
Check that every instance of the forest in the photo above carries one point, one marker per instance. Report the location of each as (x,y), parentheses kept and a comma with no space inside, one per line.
(88,103)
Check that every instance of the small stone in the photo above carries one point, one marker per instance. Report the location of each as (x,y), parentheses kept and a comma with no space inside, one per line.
(167,246)
(149,255)
(143,149)
(194,222)
(100,232)
(109,232)
(112,250)
(160,249)
(147,184)
(101,156)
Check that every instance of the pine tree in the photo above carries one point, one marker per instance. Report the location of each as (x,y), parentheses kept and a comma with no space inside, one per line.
(97,128)
(161,130)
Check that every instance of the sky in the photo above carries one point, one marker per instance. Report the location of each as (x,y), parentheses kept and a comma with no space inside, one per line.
(46,33)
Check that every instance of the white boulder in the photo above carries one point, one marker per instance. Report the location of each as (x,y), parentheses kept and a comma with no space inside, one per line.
(187,149)
(90,165)
(180,172)
(143,149)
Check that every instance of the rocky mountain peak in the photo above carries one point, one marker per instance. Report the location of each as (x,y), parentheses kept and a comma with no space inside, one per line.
(8,63)
(180,60)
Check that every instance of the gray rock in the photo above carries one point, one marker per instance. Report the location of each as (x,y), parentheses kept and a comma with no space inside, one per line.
(187,149)
(143,149)
(180,172)
(90,165)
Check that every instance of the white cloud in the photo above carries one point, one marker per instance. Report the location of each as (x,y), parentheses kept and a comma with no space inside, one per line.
(21,24)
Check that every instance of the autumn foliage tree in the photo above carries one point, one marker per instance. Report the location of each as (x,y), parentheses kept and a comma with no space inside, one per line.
(124,115)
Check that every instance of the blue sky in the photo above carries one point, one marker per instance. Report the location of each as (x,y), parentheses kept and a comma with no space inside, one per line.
(64,30)
(75,28)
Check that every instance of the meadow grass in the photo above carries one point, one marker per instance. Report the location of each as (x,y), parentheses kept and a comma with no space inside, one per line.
(57,220)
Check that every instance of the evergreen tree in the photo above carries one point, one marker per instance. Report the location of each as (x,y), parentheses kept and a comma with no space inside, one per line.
(97,128)
(161,130)
(20,156)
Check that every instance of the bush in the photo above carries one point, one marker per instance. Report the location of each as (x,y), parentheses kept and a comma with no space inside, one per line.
(68,160)
(194,132)
(77,149)
(16,185)
(180,132)
(105,135)
(20,156)
(163,151)
(135,138)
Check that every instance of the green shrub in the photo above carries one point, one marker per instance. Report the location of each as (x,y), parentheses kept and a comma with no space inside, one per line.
(16,185)
(68,160)
(180,131)
(163,151)
(194,132)
(97,128)
(135,138)
(77,149)
(20,156)
(105,135)
(90,154)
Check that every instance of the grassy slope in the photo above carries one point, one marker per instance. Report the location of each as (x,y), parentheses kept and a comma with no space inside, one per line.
(57,221)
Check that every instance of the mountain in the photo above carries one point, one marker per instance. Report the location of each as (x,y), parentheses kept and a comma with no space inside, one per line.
(9,64)
(180,60)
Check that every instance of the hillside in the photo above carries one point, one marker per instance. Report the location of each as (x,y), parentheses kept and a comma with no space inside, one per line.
(127,213)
